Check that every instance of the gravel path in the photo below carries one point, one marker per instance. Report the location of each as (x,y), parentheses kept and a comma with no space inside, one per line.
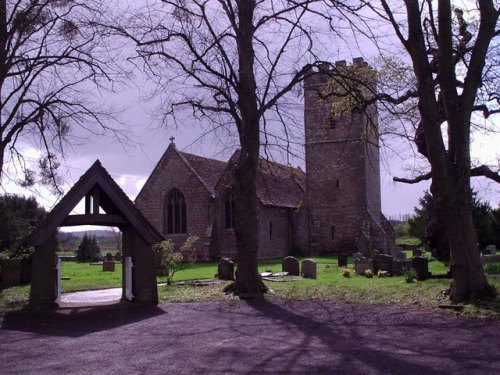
(296,337)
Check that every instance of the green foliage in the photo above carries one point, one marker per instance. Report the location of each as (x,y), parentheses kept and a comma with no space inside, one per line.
(344,86)
(492,268)
(410,276)
(402,230)
(346,272)
(18,217)
(88,249)
(427,225)
(173,261)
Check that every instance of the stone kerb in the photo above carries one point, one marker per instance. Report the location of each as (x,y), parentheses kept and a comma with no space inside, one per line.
(291,265)
(309,269)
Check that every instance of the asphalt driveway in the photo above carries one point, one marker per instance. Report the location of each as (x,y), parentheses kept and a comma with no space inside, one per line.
(297,337)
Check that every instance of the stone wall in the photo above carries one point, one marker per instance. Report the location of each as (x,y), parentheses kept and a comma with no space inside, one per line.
(342,168)
(172,172)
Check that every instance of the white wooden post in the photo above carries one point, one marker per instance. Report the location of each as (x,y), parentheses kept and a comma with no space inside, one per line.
(58,281)
(128,278)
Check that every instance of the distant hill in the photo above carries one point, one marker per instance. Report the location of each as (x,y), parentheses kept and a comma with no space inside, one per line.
(61,236)
(69,240)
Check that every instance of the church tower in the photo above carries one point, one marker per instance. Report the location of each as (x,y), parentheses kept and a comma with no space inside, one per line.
(343,173)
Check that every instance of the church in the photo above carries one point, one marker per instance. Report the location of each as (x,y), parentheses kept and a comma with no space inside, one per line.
(332,207)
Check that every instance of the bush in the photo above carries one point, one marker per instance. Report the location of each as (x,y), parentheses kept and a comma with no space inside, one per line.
(172,261)
(492,268)
(410,276)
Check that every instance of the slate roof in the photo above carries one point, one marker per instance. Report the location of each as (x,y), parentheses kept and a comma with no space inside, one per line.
(208,170)
(113,201)
(280,185)
(277,184)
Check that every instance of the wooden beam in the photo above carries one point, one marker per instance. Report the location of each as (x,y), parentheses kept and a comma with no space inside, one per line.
(96,200)
(88,201)
(94,219)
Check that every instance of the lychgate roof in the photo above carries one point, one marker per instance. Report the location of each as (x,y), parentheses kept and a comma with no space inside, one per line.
(100,191)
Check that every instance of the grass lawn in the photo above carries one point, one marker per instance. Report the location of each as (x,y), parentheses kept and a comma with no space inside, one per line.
(330,285)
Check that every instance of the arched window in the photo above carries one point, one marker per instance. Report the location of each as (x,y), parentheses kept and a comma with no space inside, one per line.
(229,209)
(175,212)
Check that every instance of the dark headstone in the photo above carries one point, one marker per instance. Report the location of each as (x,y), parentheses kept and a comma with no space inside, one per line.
(118,257)
(290,265)
(309,269)
(421,267)
(383,263)
(417,252)
(108,265)
(342,260)
(226,269)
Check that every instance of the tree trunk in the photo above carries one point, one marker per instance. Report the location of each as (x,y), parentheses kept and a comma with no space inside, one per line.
(469,282)
(248,283)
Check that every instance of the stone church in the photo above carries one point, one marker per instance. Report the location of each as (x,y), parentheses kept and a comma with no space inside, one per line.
(332,207)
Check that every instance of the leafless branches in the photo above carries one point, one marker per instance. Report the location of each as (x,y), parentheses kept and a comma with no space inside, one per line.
(52,62)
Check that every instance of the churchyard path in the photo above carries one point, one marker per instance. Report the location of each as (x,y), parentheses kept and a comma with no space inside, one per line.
(260,337)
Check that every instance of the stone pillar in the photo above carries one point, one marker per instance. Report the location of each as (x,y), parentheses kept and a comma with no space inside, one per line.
(44,276)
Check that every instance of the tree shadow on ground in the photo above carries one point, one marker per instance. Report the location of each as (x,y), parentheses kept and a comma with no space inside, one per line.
(364,346)
(79,321)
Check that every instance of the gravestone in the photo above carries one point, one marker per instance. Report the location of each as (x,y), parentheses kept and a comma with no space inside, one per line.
(342,260)
(396,250)
(361,265)
(309,269)
(118,257)
(108,265)
(421,267)
(383,263)
(490,250)
(357,256)
(399,267)
(417,252)
(225,269)
(290,265)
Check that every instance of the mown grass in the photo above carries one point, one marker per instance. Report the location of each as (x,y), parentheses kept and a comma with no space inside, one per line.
(330,285)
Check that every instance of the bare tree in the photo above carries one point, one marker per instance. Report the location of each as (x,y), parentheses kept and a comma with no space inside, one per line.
(52,63)
(231,62)
(456,79)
